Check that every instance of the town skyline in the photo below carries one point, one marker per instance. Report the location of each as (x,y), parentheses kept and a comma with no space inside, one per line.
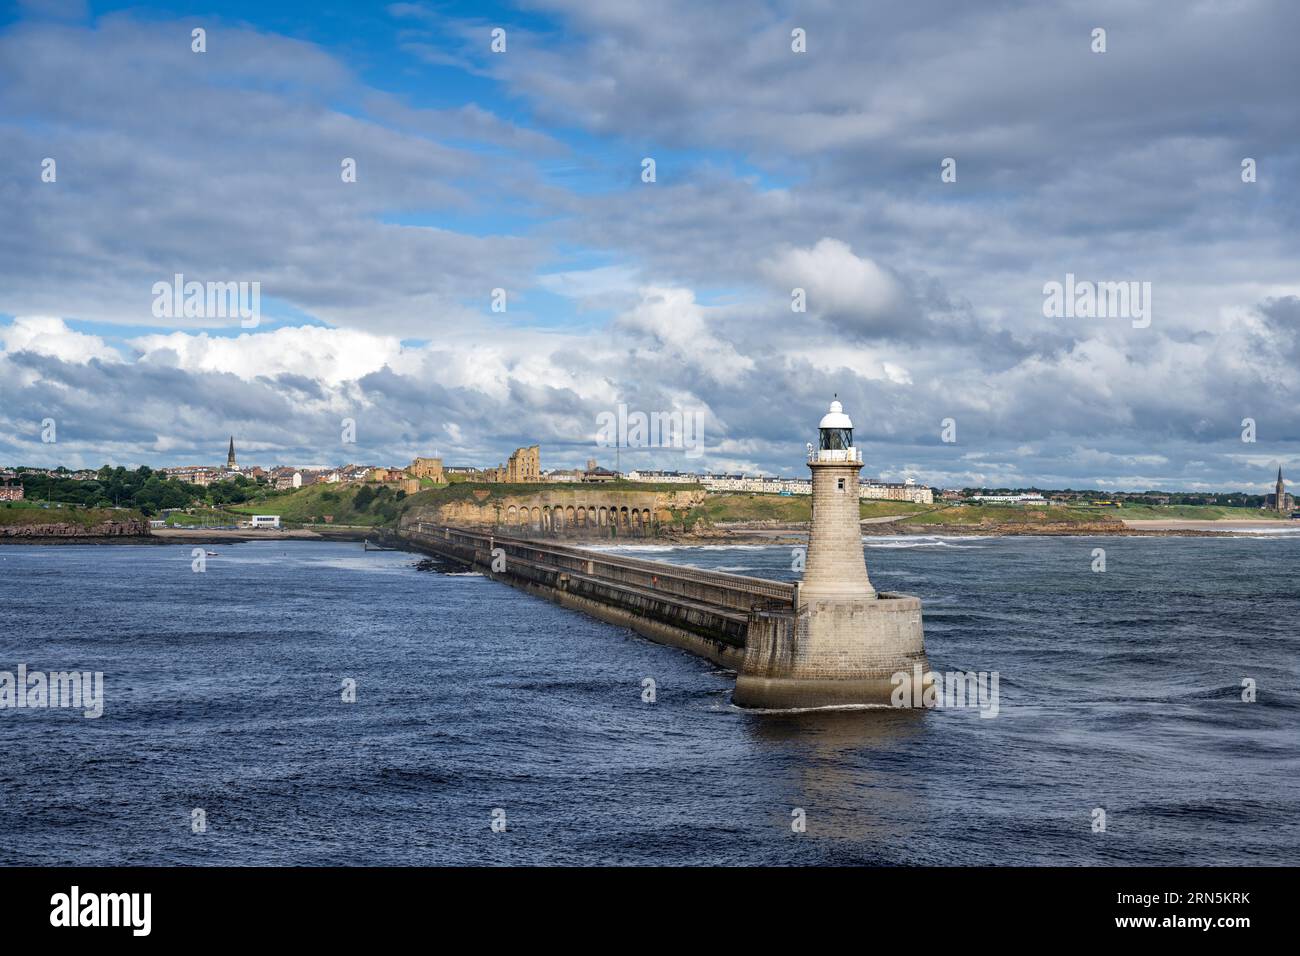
(469,470)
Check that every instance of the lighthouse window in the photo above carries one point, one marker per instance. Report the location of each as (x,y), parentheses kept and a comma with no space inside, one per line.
(833,439)
(840,483)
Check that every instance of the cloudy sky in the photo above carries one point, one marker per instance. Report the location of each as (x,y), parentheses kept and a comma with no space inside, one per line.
(523,171)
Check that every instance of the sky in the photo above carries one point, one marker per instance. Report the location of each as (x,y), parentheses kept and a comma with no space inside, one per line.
(501,273)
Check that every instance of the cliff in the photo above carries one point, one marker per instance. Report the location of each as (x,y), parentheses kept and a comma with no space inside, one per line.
(34,523)
(567,509)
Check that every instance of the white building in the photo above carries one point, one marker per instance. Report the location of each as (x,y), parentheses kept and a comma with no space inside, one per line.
(264,521)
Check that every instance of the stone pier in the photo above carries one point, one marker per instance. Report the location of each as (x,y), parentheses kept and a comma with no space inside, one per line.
(828,640)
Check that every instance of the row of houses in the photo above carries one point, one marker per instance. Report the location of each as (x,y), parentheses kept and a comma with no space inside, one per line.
(867,489)
(84,474)
(288,477)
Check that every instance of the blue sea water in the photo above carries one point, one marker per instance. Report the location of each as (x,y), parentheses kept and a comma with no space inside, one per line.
(1118,690)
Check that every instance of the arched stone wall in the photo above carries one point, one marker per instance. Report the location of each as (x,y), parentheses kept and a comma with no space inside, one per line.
(596,513)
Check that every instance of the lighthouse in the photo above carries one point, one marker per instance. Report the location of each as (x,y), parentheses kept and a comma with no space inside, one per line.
(842,643)
(835,565)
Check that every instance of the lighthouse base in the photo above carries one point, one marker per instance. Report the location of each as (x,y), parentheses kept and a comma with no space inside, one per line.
(831,652)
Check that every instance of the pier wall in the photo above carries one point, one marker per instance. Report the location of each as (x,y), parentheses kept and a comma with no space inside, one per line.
(705,612)
(788,652)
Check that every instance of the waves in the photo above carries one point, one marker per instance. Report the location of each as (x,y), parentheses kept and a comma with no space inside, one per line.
(1120,690)
(924,541)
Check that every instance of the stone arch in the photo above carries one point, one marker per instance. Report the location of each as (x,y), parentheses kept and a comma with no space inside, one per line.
(512,515)
(523,517)
(570,517)
(647,518)
(623,521)
(537,517)
(582,517)
(603,517)
(546,519)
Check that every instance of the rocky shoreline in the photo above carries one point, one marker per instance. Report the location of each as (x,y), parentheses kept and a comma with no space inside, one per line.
(65,531)
(753,533)
(138,532)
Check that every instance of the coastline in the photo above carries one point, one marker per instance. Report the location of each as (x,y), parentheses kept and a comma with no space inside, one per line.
(210,536)
(746,533)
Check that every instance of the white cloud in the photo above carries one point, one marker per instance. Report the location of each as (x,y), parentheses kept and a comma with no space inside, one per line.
(45,335)
(329,356)
(675,325)
(835,279)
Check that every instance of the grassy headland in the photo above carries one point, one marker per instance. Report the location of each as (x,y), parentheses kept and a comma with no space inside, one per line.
(17,514)
(728,507)
(986,515)
(1192,513)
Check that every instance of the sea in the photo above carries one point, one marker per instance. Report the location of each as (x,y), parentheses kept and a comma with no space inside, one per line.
(311,703)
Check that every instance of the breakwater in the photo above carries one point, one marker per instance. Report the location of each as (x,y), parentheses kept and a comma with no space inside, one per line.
(789,650)
(707,612)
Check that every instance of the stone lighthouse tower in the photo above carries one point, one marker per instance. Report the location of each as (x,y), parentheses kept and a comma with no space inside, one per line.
(842,642)
(835,565)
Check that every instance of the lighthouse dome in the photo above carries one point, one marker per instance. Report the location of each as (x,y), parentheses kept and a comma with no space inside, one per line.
(835,418)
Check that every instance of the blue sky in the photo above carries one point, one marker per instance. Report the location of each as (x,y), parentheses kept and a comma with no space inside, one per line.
(776,170)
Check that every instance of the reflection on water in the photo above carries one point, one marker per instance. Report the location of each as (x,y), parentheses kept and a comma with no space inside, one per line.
(840,770)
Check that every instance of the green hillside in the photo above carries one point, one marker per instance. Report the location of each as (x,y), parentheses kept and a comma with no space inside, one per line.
(22,513)
(962,515)
(730,506)
(345,504)
(1191,512)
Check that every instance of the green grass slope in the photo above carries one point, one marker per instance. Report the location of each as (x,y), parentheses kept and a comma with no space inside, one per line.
(25,513)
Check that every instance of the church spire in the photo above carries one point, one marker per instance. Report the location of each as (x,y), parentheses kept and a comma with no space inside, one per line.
(230,455)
